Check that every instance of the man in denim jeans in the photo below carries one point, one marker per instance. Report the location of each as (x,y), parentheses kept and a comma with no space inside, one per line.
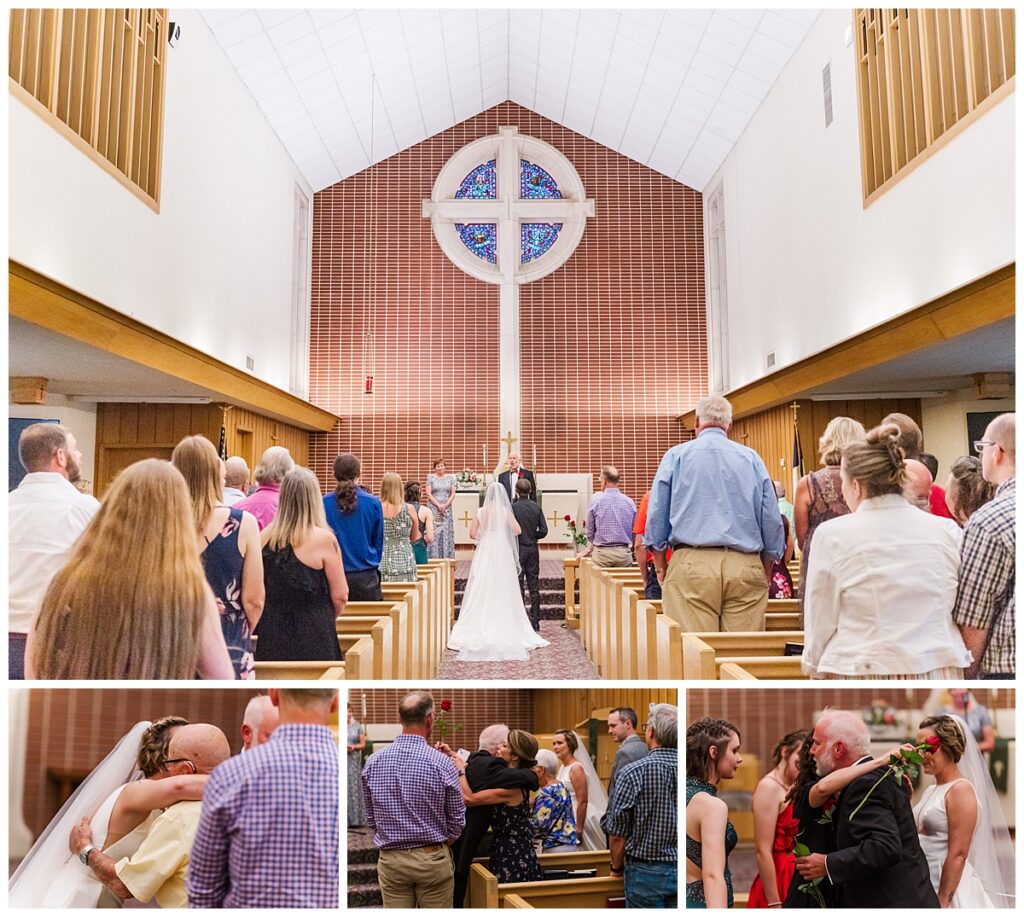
(641,817)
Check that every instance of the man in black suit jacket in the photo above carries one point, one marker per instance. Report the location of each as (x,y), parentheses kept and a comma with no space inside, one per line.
(878,861)
(484,771)
(534,527)
(516,472)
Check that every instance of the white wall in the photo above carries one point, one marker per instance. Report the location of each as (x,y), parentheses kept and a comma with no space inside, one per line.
(944,424)
(79,418)
(214,267)
(807,265)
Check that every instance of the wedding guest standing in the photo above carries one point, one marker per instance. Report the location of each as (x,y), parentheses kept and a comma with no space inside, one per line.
(413,801)
(157,618)
(426,520)
(975,715)
(356,739)
(622,723)
(268,834)
(357,520)
(229,545)
(712,755)
(554,824)
(967,490)
(819,495)
(775,827)
(881,585)
(441,496)
(275,463)
(401,529)
(642,817)
(304,576)
(45,515)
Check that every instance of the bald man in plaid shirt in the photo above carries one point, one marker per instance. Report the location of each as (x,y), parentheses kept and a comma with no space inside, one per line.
(413,799)
(268,833)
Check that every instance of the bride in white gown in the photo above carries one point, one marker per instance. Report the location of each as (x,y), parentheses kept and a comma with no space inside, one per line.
(962,804)
(50,875)
(492,623)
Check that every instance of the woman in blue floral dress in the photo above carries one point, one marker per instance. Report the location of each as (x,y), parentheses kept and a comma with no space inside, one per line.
(553,819)
(229,546)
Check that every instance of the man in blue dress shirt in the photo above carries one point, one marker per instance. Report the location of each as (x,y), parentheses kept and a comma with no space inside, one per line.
(714,504)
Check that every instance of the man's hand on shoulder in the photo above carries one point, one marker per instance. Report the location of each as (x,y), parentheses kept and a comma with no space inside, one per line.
(81,837)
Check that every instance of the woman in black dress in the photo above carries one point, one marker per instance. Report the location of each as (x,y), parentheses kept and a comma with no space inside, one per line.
(513,858)
(305,579)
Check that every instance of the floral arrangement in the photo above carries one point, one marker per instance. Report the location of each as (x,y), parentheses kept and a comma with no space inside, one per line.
(879,713)
(468,479)
(576,536)
(441,720)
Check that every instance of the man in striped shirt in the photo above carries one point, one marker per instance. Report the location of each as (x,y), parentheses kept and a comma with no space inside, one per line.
(985,601)
(610,521)
(413,800)
(268,832)
(641,817)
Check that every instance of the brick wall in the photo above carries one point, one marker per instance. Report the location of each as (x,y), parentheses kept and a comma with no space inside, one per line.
(612,343)
(765,715)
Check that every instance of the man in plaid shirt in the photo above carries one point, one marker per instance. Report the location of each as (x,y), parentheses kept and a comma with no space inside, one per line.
(985,602)
(414,802)
(641,817)
(268,833)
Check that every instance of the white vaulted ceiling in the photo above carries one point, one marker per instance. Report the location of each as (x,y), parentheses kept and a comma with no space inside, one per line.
(672,89)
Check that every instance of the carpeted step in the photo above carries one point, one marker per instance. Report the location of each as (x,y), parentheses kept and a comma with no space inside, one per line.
(362,874)
(367,895)
(359,856)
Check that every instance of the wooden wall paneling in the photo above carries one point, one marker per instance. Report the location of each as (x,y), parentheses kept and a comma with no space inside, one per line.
(564,708)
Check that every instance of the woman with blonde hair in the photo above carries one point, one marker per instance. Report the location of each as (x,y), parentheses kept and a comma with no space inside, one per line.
(304,577)
(228,541)
(132,601)
(401,529)
(882,583)
(819,495)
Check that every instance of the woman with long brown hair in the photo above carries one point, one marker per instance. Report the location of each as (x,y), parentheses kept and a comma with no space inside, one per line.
(228,542)
(132,600)
(304,576)
(357,520)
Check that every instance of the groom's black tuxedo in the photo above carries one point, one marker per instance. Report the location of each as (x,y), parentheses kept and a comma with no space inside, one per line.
(878,860)
(484,771)
(505,479)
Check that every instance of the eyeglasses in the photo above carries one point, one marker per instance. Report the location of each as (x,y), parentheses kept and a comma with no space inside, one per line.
(981,444)
(188,761)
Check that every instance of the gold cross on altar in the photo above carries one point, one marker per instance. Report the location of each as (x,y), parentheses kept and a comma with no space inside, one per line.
(508,440)
(465,518)
(555,518)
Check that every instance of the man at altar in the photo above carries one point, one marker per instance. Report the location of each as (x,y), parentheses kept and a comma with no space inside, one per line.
(516,472)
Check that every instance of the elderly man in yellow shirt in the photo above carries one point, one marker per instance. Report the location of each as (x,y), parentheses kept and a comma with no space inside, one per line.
(158,869)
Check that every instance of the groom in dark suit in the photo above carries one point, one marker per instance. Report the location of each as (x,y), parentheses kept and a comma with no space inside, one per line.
(534,527)
(516,472)
(484,771)
(878,861)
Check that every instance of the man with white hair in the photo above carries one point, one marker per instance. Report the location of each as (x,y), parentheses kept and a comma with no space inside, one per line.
(236,479)
(714,504)
(985,601)
(275,464)
(516,472)
(484,771)
(259,721)
(878,861)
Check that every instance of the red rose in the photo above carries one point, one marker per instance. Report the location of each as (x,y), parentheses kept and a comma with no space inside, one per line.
(567,518)
(933,742)
(519,473)
(446,705)
(829,804)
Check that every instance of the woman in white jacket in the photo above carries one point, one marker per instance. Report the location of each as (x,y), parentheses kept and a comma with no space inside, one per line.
(882,580)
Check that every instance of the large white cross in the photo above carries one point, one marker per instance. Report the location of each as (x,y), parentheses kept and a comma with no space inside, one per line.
(508,211)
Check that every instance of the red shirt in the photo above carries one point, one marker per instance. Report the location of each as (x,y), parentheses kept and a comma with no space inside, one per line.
(641,524)
(937,502)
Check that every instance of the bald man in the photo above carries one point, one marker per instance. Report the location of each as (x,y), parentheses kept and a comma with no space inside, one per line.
(236,480)
(260,720)
(878,861)
(919,484)
(158,869)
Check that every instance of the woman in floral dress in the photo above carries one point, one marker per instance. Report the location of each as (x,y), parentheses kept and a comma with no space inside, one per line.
(229,545)
(441,496)
(356,743)
(401,529)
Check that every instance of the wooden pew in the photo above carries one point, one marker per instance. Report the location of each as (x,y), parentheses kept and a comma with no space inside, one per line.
(486,892)
(701,651)
(753,668)
(327,670)
(380,630)
(413,597)
(571,568)
(398,613)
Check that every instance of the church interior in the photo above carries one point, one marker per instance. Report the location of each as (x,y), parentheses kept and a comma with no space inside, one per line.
(308,229)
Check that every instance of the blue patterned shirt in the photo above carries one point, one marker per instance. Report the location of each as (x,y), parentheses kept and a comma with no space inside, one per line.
(553,819)
(268,834)
(412,796)
(610,518)
(643,807)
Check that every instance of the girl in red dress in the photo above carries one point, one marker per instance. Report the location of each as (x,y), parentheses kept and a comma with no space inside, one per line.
(774,825)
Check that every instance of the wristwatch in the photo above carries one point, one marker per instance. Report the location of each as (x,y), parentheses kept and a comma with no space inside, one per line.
(84,854)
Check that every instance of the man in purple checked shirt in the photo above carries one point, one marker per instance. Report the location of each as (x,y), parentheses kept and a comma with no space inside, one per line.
(268,832)
(610,519)
(413,800)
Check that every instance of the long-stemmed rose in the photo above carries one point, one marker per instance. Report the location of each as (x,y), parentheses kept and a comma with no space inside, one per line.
(902,764)
(576,536)
(441,720)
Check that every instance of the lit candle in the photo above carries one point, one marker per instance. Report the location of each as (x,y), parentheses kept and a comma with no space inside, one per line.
(364,707)
(534,465)
(485,461)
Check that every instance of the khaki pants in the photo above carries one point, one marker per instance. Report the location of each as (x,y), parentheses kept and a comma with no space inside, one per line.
(424,877)
(715,589)
(612,557)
